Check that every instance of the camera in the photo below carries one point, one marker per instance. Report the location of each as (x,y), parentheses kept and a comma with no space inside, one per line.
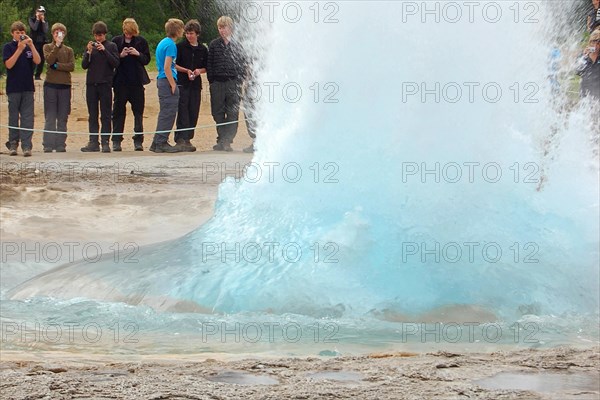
(95,44)
(59,34)
(23,37)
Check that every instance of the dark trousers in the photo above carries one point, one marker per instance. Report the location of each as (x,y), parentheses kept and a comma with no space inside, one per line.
(57,107)
(168,103)
(136,97)
(100,93)
(250,115)
(250,97)
(40,67)
(187,112)
(20,114)
(225,107)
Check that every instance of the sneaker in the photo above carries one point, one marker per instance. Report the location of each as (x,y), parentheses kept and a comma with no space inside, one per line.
(227,147)
(218,147)
(186,145)
(61,149)
(152,147)
(117,146)
(190,146)
(47,150)
(91,147)
(12,148)
(105,148)
(249,149)
(165,148)
(26,152)
(138,146)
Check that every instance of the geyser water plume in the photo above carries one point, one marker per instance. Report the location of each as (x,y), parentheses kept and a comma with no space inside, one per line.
(403,179)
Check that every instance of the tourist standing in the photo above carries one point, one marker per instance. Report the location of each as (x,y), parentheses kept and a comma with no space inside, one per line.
(38,30)
(20,56)
(129,81)
(57,90)
(225,73)
(166,82)
(191,62)
(100,59)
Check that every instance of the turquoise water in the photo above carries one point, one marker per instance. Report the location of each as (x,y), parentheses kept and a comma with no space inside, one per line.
(423,176)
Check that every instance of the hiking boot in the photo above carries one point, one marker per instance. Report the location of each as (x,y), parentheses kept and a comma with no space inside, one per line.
(218,147)
(165,148)
(227,147)
(91,147)
(105,148)
(186,145)
(47,150)
(138,146)
(249,149)
(26,152)
(61,149)
(117,146)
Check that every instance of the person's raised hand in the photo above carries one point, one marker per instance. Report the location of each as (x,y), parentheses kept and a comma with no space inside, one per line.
(21,44)
(59,36)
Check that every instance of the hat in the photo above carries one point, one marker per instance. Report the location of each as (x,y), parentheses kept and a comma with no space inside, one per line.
(41,9)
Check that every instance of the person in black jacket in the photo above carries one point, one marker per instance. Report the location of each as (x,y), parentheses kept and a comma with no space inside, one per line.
(38,29)
(593,17)
(191,62)
(129,81)
(589,68)
(100,59)
(225,71)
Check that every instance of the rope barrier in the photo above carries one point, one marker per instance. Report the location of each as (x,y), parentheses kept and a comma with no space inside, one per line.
(123,133)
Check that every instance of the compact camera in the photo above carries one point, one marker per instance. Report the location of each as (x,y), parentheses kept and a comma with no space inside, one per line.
(23,37)
(95,44)
(59,34)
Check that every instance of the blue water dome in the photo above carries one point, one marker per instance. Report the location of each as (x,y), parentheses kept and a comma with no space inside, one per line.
(404,170)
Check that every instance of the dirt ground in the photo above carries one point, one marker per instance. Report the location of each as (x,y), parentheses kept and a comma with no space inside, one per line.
(204,138)
(560,373)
